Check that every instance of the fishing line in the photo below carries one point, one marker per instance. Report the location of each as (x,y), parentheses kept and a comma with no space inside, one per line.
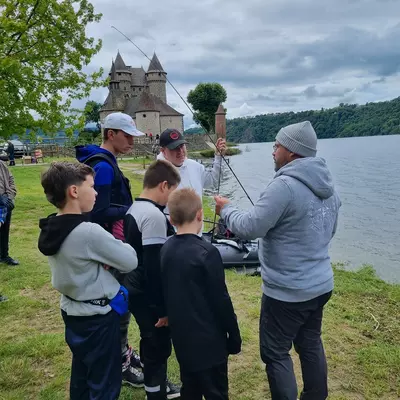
(190,109)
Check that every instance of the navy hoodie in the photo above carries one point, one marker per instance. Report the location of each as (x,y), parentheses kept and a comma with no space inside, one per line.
(107,209)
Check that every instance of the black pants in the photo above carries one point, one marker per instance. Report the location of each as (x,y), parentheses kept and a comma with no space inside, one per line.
(5,235)
(283,324)
(96,372)
(155,347)
(211,383)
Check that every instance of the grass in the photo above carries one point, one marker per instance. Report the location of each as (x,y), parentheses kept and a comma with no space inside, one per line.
(361,325)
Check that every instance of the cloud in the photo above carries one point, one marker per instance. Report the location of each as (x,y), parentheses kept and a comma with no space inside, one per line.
(274,56)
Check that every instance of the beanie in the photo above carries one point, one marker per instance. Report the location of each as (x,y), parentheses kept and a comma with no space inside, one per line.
(300,139)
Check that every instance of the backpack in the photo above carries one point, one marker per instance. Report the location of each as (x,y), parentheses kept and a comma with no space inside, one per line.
(116,195)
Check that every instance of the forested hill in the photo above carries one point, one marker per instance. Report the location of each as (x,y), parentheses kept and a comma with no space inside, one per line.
(347,120)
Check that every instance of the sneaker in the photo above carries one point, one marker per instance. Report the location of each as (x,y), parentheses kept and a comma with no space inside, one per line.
(173,391)
(135,359)
(3,298)
(133,377)
(9,261)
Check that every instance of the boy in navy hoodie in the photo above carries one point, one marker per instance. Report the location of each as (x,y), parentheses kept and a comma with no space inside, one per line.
(201,317)
(92,300)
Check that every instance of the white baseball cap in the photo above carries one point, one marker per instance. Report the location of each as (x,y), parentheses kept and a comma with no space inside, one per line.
(122,122)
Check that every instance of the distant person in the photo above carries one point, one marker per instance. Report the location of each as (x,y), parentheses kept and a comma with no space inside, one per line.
(146,229)
(295,217)
(92,300)
(157,137)
(151,137)
(201,317)
(11,152)
(193,174)
(113,201)
(8,191)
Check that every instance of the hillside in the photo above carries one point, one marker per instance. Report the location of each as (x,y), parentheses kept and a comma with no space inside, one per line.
(346,120)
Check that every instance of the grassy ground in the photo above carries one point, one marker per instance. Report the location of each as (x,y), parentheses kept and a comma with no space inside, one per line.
(361,325)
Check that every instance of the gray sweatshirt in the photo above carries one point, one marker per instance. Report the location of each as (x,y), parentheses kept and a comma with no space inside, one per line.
(77,253)
(295,218)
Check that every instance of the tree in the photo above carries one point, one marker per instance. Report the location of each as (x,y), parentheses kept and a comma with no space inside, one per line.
(43,50)
(205,99)
(92,112)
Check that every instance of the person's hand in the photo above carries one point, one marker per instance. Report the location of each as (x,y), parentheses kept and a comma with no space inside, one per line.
(219,203)
(221,146)
(162,322)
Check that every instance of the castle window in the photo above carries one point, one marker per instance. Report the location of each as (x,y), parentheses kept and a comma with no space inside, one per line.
(140,89)
(134,89)
(159,74)
(118,73)
(144,115)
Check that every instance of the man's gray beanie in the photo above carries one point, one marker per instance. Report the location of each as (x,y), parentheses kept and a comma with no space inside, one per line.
(300,139)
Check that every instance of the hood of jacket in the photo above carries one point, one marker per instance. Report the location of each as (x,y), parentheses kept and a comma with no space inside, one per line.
(84,152)
(55,229)
(312,172)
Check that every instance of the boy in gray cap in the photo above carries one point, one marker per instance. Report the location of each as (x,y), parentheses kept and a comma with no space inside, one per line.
(296,218)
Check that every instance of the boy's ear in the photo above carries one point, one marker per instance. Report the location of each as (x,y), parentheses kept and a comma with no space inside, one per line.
(199,215)
(72,191)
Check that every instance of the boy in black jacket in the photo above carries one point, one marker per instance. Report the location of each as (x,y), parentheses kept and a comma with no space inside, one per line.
(146,229)
(201,317)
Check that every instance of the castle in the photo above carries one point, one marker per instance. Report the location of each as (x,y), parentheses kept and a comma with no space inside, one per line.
(142,95)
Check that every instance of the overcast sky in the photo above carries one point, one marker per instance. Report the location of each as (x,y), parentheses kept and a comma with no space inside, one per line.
(270,55)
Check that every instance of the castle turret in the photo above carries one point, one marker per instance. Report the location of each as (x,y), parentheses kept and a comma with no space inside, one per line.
(220,122)
(123,75)
(157,79)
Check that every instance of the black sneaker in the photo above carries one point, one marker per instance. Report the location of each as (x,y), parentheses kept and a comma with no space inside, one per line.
(3,298)
(135,359)
(9,261)
(173,391)
(133,377)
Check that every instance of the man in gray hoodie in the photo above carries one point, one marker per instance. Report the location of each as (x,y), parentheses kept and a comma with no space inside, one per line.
(295,219)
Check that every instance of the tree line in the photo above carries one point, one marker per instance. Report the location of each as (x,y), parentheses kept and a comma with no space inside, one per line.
(346,120)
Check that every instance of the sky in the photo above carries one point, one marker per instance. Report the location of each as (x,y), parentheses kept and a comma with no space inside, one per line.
(270,55)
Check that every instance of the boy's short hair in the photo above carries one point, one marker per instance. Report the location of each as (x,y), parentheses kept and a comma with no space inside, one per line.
(183,205)
(161,171)
(60,176)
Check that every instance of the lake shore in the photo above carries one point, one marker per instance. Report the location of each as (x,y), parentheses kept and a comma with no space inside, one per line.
(361,328)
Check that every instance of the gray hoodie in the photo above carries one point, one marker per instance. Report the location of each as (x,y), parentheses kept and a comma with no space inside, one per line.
(77,252)
(296,218)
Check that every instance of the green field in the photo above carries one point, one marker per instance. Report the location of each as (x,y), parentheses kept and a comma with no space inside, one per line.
(361,326)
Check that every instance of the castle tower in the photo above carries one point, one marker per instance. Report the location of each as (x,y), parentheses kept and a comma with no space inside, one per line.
(123,75)
(220,122)
(114,83)
(157,79)
(147,115)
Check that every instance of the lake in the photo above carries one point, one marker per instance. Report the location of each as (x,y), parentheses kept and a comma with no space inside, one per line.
(366,172)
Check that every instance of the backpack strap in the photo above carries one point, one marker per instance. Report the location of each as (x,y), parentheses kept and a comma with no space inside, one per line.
(116,183)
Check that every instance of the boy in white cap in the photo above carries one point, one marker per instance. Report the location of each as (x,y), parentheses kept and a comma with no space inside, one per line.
(113,201)
(296,218)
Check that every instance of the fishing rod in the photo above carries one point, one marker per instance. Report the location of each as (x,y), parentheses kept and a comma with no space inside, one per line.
(190,109)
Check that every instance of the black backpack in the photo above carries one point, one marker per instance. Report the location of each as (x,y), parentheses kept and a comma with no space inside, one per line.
(119,178)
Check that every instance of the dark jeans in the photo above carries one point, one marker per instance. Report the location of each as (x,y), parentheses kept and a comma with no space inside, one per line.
(283,324)
(211,383)
(94,341)
(155,348)
(5,235)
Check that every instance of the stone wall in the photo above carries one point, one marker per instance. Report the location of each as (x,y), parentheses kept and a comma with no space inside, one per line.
(175,122)
(148,121)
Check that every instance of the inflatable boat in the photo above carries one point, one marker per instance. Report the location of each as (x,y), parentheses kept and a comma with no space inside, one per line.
(235,252)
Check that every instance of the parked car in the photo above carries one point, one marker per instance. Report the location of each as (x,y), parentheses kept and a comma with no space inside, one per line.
(20,149)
